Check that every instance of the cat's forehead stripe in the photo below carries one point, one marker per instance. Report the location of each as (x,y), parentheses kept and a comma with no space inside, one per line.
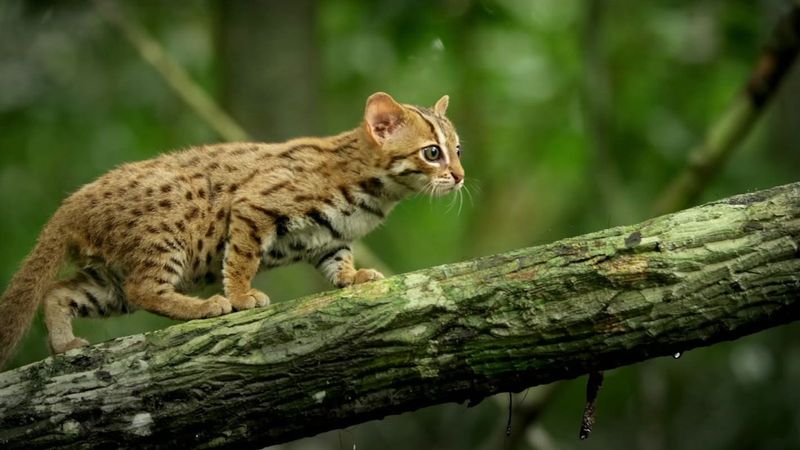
(430,123)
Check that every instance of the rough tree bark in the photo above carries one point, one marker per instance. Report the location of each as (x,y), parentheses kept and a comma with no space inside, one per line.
(453,333)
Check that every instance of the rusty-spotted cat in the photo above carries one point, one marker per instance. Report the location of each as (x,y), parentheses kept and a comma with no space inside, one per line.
(146,233)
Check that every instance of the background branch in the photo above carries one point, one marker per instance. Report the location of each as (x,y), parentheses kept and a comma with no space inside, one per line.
(732,127)
(453,333)
(173,74)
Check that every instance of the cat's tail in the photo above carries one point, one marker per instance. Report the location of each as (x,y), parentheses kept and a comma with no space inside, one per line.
(28,287)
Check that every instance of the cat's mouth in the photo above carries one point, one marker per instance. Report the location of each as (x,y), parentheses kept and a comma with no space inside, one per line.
(440,189)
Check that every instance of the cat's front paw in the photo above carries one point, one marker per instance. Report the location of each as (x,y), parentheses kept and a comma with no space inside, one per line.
(216,306)
(365,275)
(74,343)
(249,300)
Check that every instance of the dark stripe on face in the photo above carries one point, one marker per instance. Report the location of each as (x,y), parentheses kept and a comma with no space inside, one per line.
(408,172)
(430,125)
(397,158)
(315,215)
(402,182)
(372,186)
(330,255)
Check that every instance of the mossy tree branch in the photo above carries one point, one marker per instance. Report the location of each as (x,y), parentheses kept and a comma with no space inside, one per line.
(453,333)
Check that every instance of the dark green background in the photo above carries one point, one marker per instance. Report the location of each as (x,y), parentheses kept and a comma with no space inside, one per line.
(76,100)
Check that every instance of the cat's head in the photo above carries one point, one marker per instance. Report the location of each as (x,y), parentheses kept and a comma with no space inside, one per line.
(419,147)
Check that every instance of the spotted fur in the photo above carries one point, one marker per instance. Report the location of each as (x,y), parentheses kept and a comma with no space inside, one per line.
(146,233)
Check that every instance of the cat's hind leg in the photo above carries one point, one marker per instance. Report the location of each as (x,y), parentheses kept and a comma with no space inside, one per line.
(88,294)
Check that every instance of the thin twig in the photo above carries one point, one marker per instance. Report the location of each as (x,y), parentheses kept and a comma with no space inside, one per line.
(592,388)
(733,126)
(177,78)
(525,415)
(510,413)
(196,98)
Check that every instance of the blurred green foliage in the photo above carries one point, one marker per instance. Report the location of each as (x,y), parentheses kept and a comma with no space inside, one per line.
(76,100)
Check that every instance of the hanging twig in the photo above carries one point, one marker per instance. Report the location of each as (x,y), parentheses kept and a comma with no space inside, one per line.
(592,388)
(525,415)
(731,128)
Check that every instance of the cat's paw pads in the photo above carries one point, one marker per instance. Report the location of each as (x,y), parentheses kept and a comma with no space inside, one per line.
(249,300)
(365,275)
(217,306)
(73,344)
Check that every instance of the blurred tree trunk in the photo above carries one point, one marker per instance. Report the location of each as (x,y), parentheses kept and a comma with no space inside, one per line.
(453,333)
(268,65)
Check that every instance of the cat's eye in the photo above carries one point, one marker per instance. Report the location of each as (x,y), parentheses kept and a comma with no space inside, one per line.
(458,150)
(432,153)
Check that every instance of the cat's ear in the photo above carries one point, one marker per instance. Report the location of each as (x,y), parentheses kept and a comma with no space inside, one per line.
(382,117)
(441,106)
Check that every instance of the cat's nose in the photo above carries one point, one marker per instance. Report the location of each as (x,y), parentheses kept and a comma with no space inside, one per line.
(456,177)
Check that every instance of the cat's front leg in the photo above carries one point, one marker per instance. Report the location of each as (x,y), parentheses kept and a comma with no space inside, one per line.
(246,238)
(337,266)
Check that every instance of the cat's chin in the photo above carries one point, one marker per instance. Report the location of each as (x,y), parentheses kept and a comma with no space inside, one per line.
(441,191)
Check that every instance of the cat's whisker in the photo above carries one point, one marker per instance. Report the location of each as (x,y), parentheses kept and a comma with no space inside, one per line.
(424,189)
(476,184)
(460,201)
(469,195)
(429,191)
(452,203)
